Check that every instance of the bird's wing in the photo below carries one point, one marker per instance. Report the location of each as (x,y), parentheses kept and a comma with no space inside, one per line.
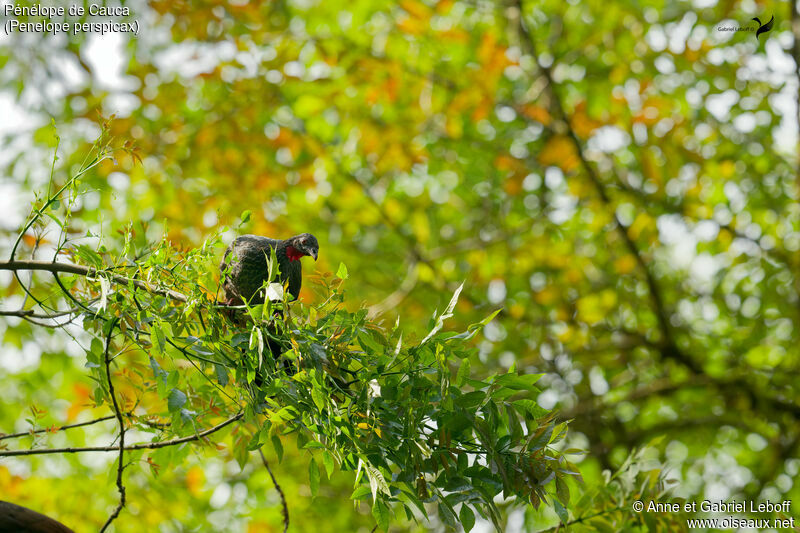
(247,258)
(247,244)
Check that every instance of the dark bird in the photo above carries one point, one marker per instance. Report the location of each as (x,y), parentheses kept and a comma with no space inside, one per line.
(17,519)
(245,268)
(245,265)
(764,28)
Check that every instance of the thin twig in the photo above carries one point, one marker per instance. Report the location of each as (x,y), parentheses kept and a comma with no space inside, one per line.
(121,420)
(53,430)
(281,495)
(584,518)
(33,255)
(144,446)
(29,313)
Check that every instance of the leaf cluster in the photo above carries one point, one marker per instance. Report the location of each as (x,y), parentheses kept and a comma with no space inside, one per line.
(408,417)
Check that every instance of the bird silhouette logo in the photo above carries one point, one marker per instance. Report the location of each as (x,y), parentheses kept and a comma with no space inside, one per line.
(764,28)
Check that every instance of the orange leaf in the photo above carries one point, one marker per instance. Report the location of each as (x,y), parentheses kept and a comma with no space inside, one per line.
(560,151)
(195,479)
(625,264)
(416,9)
(537,113)
(31,240)
(81,401)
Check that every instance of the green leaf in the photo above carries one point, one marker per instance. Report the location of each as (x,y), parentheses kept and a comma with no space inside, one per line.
(531,407)
(238,339)
(562,490)
(362,492)
(446,515)
(474,328)
(157,331)
(272,265)
(444,316)
(518,382)
(463,373)
(256,341)
(46,135)
(222,375)
(540,438)
(380,511)
(97,347)
(514,424)
(342,272)
(377,483)
(467,518)
(278,445)
(313,477)
(240,451)
(327,460)
(319,398)
(471,399)
(488,318)
(245,217)
(562,513)
(176,400)
(173,378)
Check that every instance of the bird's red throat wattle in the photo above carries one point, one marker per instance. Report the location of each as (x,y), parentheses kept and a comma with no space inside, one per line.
(293,253)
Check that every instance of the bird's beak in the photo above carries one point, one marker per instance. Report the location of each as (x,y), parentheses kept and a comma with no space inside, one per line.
(314,254)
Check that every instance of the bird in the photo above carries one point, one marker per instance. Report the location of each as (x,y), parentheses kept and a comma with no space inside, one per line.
(17,519)
(764,28)
(245,269)
(245,266)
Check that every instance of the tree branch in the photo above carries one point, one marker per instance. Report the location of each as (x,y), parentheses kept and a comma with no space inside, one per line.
(118,414)
(145,446)
(667,347)
(669,350)
(81,270)
(29,313)
(281,495)
(51,430)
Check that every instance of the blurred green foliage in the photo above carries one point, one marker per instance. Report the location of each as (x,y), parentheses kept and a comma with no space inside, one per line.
(619,177)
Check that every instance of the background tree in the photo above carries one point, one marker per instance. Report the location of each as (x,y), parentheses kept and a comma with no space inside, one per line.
(619,177)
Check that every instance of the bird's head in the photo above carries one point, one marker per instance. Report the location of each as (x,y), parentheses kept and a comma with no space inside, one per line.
(303,244)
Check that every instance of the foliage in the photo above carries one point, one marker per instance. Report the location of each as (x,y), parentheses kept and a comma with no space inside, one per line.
(408,417)
(608,505)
